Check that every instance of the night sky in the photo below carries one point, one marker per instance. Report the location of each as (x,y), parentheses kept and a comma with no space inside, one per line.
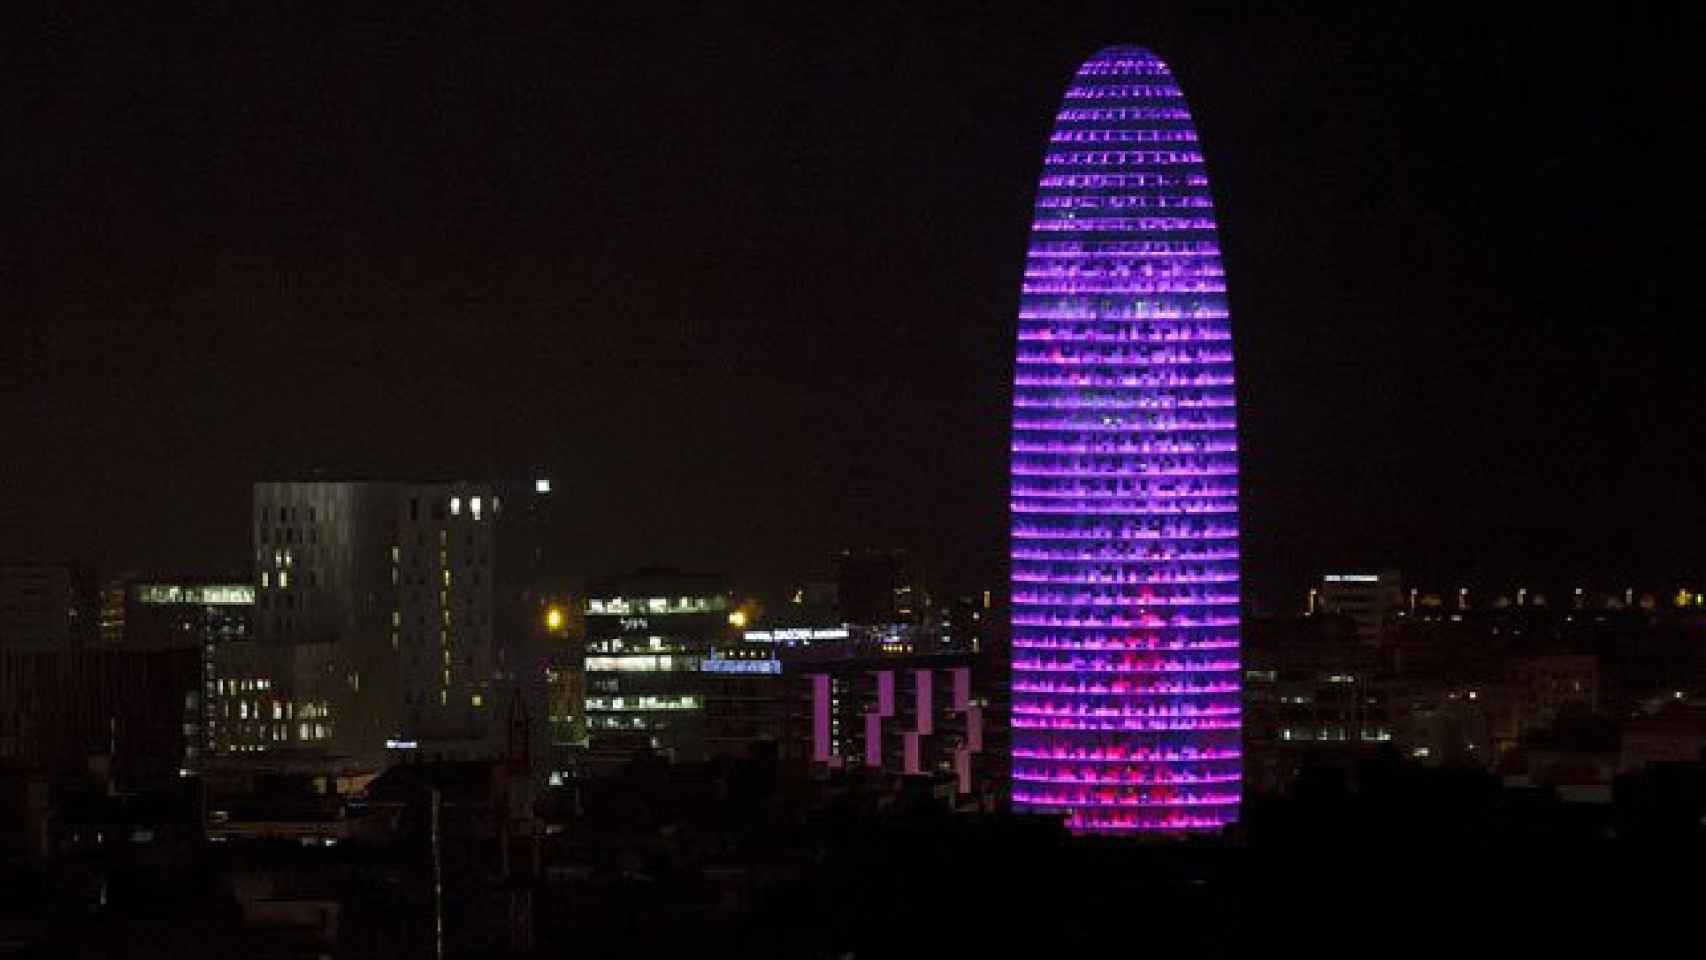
(743,280)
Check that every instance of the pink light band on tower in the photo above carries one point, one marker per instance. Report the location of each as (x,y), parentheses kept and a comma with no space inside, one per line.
(1124,485)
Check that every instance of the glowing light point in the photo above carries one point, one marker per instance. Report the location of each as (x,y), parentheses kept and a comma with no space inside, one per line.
(1124,485)
(554,618)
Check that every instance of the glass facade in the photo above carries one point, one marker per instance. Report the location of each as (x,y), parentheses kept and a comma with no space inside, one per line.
(1124,497)
(646,636)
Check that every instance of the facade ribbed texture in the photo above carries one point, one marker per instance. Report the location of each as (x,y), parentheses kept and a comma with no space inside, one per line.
(1125,472)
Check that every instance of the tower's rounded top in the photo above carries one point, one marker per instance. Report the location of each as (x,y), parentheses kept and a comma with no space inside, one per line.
(1124,59)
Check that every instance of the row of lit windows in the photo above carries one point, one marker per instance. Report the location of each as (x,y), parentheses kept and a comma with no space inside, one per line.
(643,703)
(626,723)
(246,685)
(622,606)
(618,645)
(641,664)
(1371,735)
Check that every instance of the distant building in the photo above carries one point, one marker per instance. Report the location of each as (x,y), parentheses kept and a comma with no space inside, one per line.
(1675,732)
(123,716)
(563,621)
(1368,599)
(377,628)
(1310,696)
(646,636)
(877,586)
(957,624)
(46,606)
(909,715)
(119,695)
(195,614)
(1542,687)
(753,709)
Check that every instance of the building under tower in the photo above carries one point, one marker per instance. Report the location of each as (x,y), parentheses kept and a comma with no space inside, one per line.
(1124,497)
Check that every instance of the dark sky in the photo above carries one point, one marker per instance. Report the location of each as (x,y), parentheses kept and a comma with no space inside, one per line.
(743,278)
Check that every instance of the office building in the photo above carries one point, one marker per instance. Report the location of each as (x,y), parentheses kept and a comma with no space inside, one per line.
(109,682)
(1124,496)
(1310,697)
(1370,600)
(196,614)
(377,628)
(912,715)
(646,636)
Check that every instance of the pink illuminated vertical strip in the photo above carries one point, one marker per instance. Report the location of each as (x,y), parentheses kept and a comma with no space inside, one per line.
(924,704)
(820,718)
(1124,482)
(885,693)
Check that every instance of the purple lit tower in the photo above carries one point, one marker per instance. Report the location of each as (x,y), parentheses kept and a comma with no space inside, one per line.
(1125,472)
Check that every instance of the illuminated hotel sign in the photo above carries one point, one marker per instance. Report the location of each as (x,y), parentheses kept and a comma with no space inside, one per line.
(1352,578)
(221,594)
(796,634)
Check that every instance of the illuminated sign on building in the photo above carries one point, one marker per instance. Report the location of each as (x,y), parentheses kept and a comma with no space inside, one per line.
(228,594)
(796,634)
(741,666)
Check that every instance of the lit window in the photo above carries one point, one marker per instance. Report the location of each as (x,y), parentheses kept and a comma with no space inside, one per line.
(478,701)
(541,485)
(474,507)
(456,506)
(266,579)
(284,579)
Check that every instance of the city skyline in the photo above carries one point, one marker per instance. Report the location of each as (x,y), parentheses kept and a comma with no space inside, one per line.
(480,273)
(772,480)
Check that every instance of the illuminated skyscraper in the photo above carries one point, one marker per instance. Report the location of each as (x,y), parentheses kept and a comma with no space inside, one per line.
(1125,472)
